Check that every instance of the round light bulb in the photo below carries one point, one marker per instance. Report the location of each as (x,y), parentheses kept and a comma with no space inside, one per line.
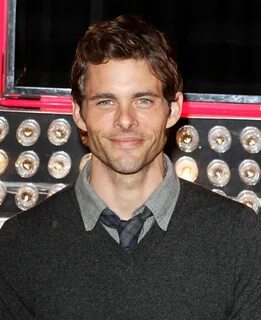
(59,164)
(219,139)
(4,128)
(59,132)
(26,196)
(3,161)
(186,168)
(250,199)
(27,164)
(218,173)
(28,132)
(250,139)
(249,172)
(187,138)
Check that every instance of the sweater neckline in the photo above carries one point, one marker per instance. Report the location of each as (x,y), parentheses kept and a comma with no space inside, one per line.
(154,237)
(145,247)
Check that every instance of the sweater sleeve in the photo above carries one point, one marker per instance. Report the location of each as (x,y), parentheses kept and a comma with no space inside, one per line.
(247,279)
(11,304)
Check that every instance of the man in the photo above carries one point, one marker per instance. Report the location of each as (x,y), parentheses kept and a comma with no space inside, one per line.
(129,240)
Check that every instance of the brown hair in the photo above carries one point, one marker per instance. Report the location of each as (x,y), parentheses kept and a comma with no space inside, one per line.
(125,37)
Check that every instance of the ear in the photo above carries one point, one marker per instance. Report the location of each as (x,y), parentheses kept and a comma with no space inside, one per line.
(175,110)
(77,117)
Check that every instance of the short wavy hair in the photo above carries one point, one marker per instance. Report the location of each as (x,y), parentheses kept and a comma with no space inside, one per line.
(125,37)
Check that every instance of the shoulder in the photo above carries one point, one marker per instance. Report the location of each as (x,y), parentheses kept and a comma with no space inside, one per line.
(52,216)
(59,204)
(210,210)
(203,199)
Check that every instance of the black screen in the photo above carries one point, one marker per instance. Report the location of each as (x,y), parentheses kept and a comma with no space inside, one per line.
(217,43)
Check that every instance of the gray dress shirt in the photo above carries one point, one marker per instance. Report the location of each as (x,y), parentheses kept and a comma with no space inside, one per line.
(161,202)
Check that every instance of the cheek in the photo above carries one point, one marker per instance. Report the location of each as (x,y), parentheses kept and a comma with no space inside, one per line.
(162,131)
(157,124)
(97,122)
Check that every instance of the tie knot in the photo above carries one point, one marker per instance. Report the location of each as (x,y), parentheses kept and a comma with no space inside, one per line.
(128,230)
(110,219)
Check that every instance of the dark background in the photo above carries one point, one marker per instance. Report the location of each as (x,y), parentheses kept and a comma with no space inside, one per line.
(217,43)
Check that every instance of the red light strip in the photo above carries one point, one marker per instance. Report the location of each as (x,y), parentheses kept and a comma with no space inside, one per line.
(221,110)
(191,109)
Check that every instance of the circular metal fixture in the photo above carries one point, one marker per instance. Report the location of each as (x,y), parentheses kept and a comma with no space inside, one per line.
(186,168)
(218,173)
(59,132)
(28,132)
(4,128)
(59,164)
(249,172)
(219,139)
(250,199)
(250,139)
(3,161)
(187,138)
(26,196)
(27,164)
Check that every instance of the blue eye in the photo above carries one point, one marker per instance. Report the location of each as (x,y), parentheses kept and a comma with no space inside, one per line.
(105,102)
(144,101)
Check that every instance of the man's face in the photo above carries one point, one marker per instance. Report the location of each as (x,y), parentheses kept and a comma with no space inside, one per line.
(125,115)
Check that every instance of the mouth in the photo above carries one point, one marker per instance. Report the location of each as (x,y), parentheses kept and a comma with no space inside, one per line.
(127,142)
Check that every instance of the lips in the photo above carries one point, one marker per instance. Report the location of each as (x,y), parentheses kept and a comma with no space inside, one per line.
(127,142)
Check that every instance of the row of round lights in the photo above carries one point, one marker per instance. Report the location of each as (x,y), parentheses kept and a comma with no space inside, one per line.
(219,139)
(28,132)
(218,174)
(28,162)
(27,194)
(218,171)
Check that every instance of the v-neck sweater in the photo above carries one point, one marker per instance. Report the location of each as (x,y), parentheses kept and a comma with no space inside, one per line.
(205,266)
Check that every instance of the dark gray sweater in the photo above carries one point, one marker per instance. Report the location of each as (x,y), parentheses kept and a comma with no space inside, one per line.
(206,266)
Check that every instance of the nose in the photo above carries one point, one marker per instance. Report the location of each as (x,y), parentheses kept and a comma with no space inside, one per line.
(125,117)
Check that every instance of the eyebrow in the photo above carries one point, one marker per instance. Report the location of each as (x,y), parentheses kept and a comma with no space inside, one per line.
(108,95)
(146,93)
(102,96)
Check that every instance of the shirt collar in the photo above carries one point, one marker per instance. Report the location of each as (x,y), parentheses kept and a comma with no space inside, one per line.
(91,205)
(161,202)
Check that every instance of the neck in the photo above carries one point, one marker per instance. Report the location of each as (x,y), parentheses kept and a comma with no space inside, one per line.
(124,193)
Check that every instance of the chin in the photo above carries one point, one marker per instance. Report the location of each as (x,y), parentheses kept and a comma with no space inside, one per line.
(127,167)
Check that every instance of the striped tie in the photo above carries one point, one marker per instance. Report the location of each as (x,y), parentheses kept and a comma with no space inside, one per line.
(129,230)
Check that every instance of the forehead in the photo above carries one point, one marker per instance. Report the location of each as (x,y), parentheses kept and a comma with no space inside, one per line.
(122,75)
